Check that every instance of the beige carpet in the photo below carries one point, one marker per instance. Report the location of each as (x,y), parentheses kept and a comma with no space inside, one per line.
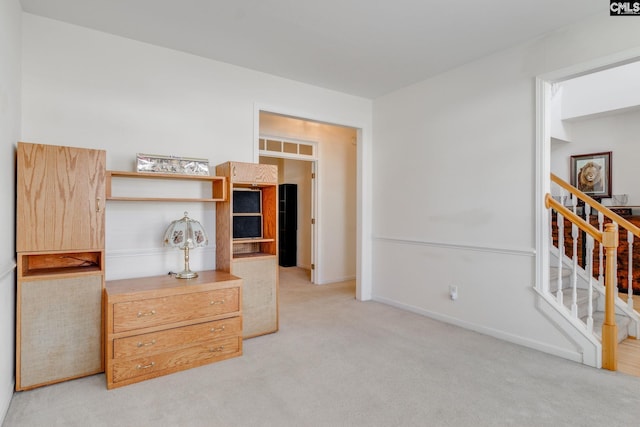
(339,362)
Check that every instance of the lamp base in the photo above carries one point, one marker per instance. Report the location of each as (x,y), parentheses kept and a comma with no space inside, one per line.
(186,275)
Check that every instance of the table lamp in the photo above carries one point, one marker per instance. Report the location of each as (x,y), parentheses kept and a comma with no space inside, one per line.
(185,234)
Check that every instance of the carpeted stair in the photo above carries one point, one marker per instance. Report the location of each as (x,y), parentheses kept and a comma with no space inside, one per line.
(582,302)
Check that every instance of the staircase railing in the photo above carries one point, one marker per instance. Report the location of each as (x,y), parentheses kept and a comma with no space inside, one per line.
(607,236)
(604,214)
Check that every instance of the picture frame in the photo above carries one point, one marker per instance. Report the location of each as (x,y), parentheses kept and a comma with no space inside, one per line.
(153,163)
(591,174)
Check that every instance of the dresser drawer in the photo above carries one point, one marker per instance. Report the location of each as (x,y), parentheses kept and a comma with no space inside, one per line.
(172,361)
(158,342)
(176,308)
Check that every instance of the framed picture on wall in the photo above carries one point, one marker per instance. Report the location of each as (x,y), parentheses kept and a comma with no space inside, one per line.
(591,174)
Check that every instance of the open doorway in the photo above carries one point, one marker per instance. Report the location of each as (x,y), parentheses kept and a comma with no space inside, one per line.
(296,199)
(320,160)
(594,122)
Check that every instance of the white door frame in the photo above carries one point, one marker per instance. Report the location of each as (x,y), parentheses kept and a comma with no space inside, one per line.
(314,224)
(364,268)
(543,146)
(314,203)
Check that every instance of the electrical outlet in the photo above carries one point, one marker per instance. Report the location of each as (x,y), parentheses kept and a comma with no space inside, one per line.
(453,292)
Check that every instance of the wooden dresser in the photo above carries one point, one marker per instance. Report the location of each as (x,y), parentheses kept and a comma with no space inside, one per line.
(159,325)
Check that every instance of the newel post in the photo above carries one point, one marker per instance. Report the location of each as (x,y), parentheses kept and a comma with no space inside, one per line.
(609,328)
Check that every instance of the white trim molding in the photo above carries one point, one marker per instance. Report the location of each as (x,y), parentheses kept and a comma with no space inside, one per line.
(505,336)
(460,247)
(128,253)
(12,266)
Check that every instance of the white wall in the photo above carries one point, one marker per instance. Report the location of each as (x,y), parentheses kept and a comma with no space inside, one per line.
(454,186)
(558,128)
(10,22)
(90,89)
(616,133)
(615,89)
(336,187)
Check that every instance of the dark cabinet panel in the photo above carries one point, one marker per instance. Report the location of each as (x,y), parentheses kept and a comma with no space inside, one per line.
(288,223)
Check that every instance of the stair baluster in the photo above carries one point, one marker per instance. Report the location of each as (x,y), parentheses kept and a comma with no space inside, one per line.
(600,249)
(560,222)
(574,273)
(589,248)
(630,271)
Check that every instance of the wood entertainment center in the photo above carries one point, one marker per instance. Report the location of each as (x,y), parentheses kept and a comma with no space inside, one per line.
(70,323)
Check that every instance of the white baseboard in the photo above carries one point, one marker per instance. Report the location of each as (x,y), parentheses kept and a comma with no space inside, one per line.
(152,252)
(6,401)
(8,269)
(515,339)
(336,280)
(6,389)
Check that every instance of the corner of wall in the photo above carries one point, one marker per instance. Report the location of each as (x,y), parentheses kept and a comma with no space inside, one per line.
(5,401)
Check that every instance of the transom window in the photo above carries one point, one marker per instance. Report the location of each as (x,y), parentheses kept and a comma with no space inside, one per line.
(290,148)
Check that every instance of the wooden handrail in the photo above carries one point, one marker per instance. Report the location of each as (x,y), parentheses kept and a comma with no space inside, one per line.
(550,202)
(597,206)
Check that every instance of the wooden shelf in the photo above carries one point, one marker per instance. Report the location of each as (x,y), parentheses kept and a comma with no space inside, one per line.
(153,175)
(239,241)
(61,271)
(59,263)
(160,199)
(218,186)
(252,255)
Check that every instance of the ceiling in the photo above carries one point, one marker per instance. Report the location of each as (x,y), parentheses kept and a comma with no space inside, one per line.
(362,47)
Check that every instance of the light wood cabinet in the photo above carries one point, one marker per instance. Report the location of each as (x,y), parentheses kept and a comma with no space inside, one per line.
(60,196)
(250,254)
(160,325)
(250,173)
(261,302)
(59,328)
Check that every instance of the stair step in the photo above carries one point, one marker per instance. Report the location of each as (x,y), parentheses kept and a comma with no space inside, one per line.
(582,300)
(554,273)
(621,321)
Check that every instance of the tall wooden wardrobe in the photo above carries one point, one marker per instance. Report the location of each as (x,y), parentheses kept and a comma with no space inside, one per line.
(247,241)
(60,199)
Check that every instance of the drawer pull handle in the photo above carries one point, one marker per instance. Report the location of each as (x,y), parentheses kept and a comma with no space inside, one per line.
(220,329)
(146,344)
(217,349)
(219,302)
(150,365)
(149,313)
